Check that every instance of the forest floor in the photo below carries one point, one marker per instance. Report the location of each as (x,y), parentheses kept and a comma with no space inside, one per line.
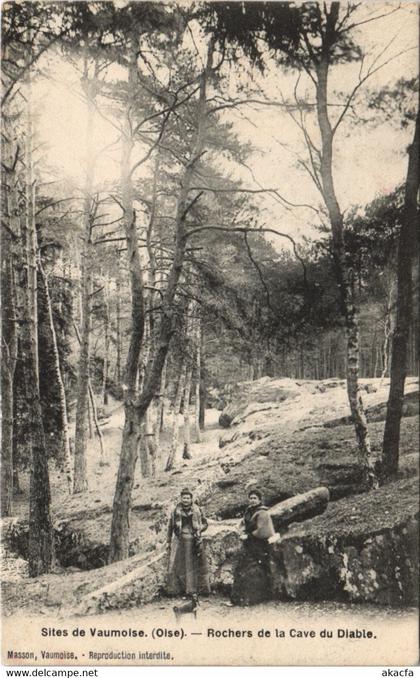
(285,446)
(293,431)
(101,477)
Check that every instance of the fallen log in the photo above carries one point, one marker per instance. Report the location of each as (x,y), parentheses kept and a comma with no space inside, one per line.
(300,508)
(139,586)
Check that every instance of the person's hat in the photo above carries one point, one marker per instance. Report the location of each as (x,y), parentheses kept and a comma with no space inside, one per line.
(186,490)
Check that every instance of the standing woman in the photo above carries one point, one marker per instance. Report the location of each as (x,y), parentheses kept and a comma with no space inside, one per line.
(188,570)
(253,580)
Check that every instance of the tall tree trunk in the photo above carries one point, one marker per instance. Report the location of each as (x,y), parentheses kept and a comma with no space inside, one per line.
(118,324)
(10,232)
(187,419)
(8,365)
(119,542)
(82,404)
(93,413)
(343,273)
(31,250)
(16,480)
(80,476)
(175,424)
(203,395)
(106,344)
(161,405)
(388,332)
(145,461)
(63,398)
(406,244)
(150,442)
(145,427)
(89,418)
(41,536)
(375,368)
(94,417)
(135,409)
(197,432)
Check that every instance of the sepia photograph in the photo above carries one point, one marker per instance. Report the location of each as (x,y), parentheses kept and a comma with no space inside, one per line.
(209,324)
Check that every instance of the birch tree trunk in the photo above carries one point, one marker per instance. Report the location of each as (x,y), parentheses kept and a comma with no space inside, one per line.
(106,343)
(175,424)
(68,469)
(93,413)
(343,274)
(150,442)
(197,432)
(147,447)
(161,406)
(388,332)
(407,239)
(94,417)
(118,324)
(203,395)
(187,420)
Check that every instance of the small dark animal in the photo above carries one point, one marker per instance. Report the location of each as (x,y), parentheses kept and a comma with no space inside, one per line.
(187,608)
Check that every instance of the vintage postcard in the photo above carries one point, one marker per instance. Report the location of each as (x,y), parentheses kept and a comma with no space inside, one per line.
(209,370)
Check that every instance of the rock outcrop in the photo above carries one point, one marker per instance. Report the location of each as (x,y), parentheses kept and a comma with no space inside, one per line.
(362,549)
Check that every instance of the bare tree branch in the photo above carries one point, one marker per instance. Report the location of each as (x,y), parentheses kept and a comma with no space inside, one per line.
(371,71)
(366,21)
(257,268)
(239,229)
(52,204)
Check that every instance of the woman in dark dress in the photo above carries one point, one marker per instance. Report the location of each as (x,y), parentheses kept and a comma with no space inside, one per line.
(253,580)
(188,570)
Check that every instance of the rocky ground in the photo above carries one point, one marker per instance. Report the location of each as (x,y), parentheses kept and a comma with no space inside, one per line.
(288,437)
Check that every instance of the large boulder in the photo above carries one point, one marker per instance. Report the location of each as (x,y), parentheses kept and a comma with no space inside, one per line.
(250,397)
(227,416)
(378,412)
(362,549)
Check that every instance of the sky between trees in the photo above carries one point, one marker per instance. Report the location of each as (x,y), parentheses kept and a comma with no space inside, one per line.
(370,160)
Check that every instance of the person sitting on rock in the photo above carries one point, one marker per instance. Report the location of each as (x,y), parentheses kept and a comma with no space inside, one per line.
(188,569)
(253,573)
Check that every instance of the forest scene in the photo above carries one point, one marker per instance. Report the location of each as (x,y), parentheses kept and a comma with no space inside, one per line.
(209,281)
